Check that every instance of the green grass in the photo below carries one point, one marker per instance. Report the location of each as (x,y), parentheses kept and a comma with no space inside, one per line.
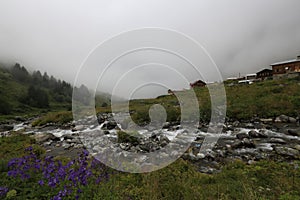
(58,118)
(13,147)
(180,180)
(267,99)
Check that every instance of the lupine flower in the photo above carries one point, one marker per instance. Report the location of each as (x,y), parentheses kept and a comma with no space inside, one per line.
(3,191)
(75,174)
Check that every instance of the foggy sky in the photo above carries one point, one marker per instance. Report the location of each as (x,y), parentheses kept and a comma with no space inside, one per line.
(57,36)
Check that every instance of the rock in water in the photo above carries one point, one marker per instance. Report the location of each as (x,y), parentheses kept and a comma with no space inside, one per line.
(6,127)
(294,132)
(241,136)
(44,137)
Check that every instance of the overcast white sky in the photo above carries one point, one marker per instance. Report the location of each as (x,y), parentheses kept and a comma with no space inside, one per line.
(57,35)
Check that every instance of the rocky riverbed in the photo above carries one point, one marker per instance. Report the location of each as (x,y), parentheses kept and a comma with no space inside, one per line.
(258,139)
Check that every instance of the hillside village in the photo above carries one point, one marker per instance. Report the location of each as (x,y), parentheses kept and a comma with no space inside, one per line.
(283,69)
(279,70)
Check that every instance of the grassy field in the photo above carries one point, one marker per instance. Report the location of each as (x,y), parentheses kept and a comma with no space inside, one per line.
(267,99)
(180,180)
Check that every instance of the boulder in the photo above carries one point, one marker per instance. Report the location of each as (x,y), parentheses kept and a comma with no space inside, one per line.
(285,119)
(277,141)
(241,136)
(269,120)
(294,132)
(164,141)
(44,137)
(297,147)
(101,119)
(6,127)
(20,118)
(286,151)
(78,128)
(255,134)
(248,143)
(236,123)
(110,125)
(166,125)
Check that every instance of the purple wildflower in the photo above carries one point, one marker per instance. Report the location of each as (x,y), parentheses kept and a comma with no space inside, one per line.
(3,191)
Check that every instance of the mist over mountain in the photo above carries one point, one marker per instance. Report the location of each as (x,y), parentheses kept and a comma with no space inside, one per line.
(57,37)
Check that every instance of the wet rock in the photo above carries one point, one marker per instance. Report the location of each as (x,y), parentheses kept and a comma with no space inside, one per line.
(110,125)
(207,170)
(70,137)
(292,120)
(101,119)
(255,134)
(248,143)
(6,127)
(20,119)
(286,151)
(78,128)
(244,143)
(285,119)
(249,125)
(277,141)
(164,141)
(294,132)
(106,132)
(236,123)
(241,136)
(200,156)
(166,125)
(147,147)
(297,147)
(269,120)
(44,137)
(66,146)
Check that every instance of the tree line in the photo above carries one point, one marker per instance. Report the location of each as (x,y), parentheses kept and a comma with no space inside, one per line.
(41,89)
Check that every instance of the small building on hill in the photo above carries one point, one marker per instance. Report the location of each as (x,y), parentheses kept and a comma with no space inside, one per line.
(198,83)
(264,74)
(286,69)
(250,76)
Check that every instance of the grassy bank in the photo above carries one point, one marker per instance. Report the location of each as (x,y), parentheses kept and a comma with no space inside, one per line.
(180,180)
(267,99)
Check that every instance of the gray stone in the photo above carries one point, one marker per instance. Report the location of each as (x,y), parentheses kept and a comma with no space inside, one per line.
(294,132)
(66,137)
(110,125)
(249,125)
(266,120)
(241,136)
(20,118)
(285,119)
(286,151)
(255,134)
(236,123)
(6,127)
(166,125)
(78,128)
(277,141)
(248,143)
(200,155)
(297,147)
(44,137)
(292,120)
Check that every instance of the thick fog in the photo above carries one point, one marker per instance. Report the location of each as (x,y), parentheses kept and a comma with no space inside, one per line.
(57,36)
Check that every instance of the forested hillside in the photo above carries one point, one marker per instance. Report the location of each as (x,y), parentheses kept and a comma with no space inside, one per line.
(25,93)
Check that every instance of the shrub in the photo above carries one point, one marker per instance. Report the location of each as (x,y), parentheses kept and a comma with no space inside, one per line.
(54,117)
(131,137)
